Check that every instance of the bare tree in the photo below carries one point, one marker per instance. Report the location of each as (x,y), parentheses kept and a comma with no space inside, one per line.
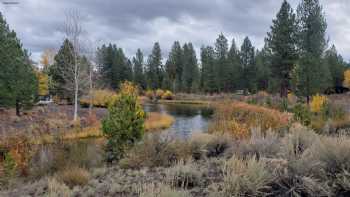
(73,30)
(90,52)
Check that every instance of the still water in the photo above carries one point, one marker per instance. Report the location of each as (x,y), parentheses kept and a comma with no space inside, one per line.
(189,119)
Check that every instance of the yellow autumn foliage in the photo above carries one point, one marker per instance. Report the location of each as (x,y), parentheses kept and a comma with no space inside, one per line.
(43,84)
(317,103)
(347,78)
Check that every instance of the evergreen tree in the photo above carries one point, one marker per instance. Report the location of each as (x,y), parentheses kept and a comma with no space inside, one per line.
(114,67)
(174,67)
(139,78)
(282,42)
(311,75)
(234,68)
(155,68)
(18,83)
(105,57)
(60,73)
(248,76)
(263,67)
(336,66)
(124,124)
(221,52)
(190,75)
(121,69)
(208,76)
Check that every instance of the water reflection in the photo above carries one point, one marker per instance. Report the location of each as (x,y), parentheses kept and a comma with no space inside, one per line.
(188,118)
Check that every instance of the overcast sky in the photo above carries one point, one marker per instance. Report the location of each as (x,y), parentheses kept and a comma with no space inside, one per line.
(133,24)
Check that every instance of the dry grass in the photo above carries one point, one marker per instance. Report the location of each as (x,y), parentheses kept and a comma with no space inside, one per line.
(246,178)
(100,98)
(152,190)
(74,176)
(57,189)
(154,122)
(189,102)
(157,121)
(237,118)
(155,151)
(184,174)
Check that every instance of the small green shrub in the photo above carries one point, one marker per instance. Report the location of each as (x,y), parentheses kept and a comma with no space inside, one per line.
(302,114)
(283,105)
(124,124)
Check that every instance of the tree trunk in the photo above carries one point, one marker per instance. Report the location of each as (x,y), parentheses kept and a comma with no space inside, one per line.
(174,81)
(90,92)
(76,90)
(284,90)
(18,108)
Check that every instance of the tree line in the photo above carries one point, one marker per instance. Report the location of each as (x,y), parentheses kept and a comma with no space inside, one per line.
(296,57)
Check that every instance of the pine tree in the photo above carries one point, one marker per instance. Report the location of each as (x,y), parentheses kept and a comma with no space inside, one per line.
(234,68)
(121,69)
(311,75)
(248,76)
(336,66)
(114,66)
(155,68)
(18,83)
(263,67)
(221,52)
(208,76)
(282,42)
(139,78)
(60,73)
(190,75)
(174,67)
(105,57)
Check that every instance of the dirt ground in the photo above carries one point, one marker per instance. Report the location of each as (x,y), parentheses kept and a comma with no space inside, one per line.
(44,119)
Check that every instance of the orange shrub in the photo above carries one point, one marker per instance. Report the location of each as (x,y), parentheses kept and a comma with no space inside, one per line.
(168,95)
(159,93)
(238,117)
(19,149)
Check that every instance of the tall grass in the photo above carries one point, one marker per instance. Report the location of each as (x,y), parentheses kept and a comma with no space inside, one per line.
(237,118)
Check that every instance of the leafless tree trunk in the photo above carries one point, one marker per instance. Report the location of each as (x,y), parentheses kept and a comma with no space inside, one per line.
(90,50)
(73,31)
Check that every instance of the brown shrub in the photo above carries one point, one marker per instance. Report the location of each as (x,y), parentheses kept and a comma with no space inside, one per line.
(156,151)
(73,176)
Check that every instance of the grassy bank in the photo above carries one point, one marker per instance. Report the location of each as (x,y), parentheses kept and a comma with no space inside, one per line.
(154,122)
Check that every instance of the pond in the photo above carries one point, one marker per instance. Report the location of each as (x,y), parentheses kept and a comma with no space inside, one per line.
(189,118)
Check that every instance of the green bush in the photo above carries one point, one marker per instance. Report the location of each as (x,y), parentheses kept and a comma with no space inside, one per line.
(124,124)
(283,106)
(302,114)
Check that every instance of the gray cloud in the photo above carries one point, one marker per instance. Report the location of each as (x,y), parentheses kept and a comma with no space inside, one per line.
(136,24)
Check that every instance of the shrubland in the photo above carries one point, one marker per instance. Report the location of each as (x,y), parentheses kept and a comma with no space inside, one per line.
(299,162)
